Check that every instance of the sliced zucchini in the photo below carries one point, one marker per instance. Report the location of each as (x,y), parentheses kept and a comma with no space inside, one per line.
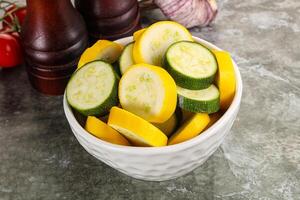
(105,50)
(190,129)
(138,34)
(104,132)
(199,101)
(126,59)
(137,130)
(149,92)
(92,90)
(192,65)
(151,46)
(225,78)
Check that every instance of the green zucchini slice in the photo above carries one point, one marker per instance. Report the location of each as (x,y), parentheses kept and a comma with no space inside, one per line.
(199,101)
(126,58)
(192,65)
(93,89)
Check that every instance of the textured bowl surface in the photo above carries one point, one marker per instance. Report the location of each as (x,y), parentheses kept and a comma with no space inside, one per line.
(160,163)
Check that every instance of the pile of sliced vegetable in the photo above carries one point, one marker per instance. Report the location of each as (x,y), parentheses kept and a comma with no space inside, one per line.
(162,89)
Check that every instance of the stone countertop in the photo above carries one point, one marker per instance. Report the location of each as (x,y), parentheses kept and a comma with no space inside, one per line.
(260,159)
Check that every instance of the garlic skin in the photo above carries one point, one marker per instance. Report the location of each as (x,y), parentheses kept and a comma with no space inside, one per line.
(189,13)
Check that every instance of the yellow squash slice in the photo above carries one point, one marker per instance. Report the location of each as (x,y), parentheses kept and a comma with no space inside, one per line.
(137,34)
(104,132)
(190,129)
(137,130)
(151,46)
(149,92)
(225,78)
(102,50)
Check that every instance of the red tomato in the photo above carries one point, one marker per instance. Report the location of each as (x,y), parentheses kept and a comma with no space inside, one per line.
(10,51)
(20,13)
(17,36)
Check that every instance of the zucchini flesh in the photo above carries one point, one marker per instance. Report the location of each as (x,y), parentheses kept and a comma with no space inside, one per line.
(92,90)
(192,65)
(126,59)
(199,101)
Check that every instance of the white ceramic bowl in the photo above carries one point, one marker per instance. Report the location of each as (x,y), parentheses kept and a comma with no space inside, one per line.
(160,163)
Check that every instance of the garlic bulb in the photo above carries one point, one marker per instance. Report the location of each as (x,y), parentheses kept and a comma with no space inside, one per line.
(189,13)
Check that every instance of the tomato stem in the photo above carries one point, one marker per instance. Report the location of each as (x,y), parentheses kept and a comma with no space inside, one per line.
(14,24)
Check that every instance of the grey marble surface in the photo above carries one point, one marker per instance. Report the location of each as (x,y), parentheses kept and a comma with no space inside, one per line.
(260,159)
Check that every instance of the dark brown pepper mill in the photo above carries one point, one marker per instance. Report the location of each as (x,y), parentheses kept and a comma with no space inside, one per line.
(53,37)
(109,19)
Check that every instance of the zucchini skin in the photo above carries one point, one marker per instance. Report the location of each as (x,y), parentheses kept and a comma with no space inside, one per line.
(185,81)
(105,107)
(121,57)
(197,106)
(116,67)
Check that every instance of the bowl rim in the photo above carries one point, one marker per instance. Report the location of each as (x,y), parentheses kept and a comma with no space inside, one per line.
(164,149)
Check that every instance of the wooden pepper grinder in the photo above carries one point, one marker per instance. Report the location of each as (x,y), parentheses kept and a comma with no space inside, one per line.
(109,19)
(53,37)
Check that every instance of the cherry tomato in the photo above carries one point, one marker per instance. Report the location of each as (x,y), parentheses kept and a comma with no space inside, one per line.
(10,51)
(17,36)
(20,13)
